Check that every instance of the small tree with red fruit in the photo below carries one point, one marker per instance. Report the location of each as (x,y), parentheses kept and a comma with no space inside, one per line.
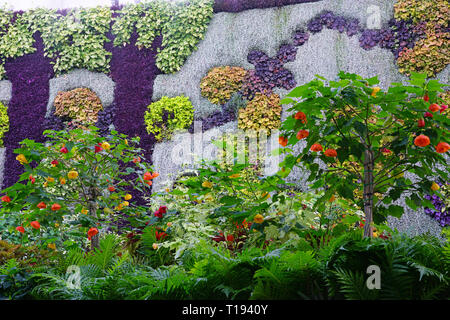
(78,175)
(368,138)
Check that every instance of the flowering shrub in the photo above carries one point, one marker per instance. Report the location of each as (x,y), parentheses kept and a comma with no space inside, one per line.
(368,138)
(441,205)
(81,105)
(167,115)
(221,82)
(69,183)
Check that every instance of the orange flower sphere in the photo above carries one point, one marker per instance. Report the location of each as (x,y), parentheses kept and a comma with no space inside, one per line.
(442,147)
(283,141)
(35,225)
(56,207)
(302,134)
(316,147)
(41,205)
(422,140)
(434,107)
(330,153)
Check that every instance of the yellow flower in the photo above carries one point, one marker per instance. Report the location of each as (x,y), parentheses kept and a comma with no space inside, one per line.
(209,197)
(62,180)
(207,184)
(375,235)
(435,186)
(51,246)
(21,158)
(72,174)
(167,190)
(169,224)
(266,195)
(126,142)
(258,218)
(45,184)
(155,246)
(84,211)
(106,146)
(119,207)
(128,197)
(236,175)
(125,203)
(50,179)
(375,91)
(56,225)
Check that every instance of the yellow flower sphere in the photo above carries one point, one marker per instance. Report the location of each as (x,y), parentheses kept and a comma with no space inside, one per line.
(128,197)
(435,186)
(22,159)
(72,174)
(106,146)
(258,218)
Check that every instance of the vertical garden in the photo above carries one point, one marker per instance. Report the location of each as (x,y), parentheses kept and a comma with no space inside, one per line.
(98,202)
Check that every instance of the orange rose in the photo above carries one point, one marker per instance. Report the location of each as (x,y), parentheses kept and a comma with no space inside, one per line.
(422,140)
(283,141)
(442,147)
(330,153)
(316,147)
(302,134)
(35,225)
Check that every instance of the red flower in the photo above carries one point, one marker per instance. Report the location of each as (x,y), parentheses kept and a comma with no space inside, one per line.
(230,238)
(386,151)
(443,107)
(111,188)
(137,160)
(6,199)
(330,153)
(160,235)
(422,140)
(20,229)
(421,123)
(54,163)
(302,134)
(434,107)
(158,214)
(56,207)
(64,150)
(283,141)
(41,205)
(426,98)
(92,232)
(32,179)
(148,176)
(316,147)
(300,116)
(442,147)
(163,209)
(35,225)
(97,149)
(428,115)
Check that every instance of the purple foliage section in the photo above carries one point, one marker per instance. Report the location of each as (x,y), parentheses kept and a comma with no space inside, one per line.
(440,213)
(105,119)
(241,5)
(331,21)
(134,72)
(30,77)
(300,38)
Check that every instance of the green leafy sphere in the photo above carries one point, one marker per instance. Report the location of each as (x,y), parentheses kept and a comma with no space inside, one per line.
(167,115)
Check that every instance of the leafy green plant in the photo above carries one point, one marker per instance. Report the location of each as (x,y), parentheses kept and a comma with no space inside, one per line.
(167,115)
(368,138)
(221,82)
(4,122)
(15,282)
(81,105)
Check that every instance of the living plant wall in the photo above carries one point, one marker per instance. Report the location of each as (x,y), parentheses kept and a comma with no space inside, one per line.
(135,43)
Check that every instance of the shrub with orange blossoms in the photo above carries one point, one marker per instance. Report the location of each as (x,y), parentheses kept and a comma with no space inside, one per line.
(376,135)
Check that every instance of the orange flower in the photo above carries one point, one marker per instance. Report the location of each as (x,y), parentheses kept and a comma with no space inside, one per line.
(300,116)
(137,160)
(62,180)
(434,107)
(21,158)
(155,175)
(92,232)
(41,205)
(6,199)
(375,91)
(20,229)
(258,218)
(316,147)
(148,176)
(442,147)
(35,225)
(56,207)
(330,153)
(422,140)
(111,188)
(283,141)
(302,134)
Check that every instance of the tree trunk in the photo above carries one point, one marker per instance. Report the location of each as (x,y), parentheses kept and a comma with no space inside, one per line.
(93,213)
(368,192)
